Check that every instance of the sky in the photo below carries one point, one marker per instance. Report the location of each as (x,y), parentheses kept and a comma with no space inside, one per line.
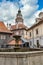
(30,10)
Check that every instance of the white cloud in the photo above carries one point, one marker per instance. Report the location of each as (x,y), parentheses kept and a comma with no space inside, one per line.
(32,19)
(37,12)
(29,9)
(30,2)
(8,11)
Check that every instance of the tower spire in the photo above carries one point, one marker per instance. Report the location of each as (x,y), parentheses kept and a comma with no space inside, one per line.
(19,18)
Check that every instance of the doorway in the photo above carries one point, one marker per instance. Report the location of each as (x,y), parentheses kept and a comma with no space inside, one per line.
(38,43)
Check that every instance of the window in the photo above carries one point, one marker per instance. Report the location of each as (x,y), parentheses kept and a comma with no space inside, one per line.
(2,46)
(38,43)
(27,44)
(36,31)
(3,37)
(30,34)
(24,45)
(30,43)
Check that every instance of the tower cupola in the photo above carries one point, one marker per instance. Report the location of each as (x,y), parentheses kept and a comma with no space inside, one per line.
(19,13)
(19,18)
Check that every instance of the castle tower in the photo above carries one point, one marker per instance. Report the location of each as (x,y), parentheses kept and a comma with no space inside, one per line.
(19,19)
(19,26)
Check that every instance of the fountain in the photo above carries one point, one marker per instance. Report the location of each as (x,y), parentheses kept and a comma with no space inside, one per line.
(17,38)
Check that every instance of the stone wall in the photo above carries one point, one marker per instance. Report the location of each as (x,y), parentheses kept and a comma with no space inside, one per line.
(21,58)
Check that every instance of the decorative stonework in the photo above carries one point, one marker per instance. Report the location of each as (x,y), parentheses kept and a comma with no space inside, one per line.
(21,58)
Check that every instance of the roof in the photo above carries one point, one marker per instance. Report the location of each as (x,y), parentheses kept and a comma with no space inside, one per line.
(39,19)
(13,42)
(20,26)
(3,28)
(40,13)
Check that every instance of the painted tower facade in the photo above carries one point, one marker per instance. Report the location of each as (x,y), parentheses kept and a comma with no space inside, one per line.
(19,28)
(19,18)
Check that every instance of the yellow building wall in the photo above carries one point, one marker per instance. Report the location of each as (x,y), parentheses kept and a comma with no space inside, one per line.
(33,31)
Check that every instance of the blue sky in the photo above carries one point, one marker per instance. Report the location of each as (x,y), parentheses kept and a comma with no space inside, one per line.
(30,10)
(40,2)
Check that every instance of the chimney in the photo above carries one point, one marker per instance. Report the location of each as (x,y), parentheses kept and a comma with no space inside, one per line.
(8,26)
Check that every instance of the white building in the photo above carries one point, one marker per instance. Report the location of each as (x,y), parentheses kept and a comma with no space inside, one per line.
(35,33)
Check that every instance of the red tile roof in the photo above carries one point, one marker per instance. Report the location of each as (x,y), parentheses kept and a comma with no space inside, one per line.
(3,28)
(20,26)
(13,42)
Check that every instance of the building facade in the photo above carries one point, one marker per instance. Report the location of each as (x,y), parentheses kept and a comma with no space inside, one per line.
(35,33)
(19,28)
(30,37)
(5,34)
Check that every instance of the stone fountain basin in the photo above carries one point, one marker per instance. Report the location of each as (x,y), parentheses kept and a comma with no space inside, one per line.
(18,49)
